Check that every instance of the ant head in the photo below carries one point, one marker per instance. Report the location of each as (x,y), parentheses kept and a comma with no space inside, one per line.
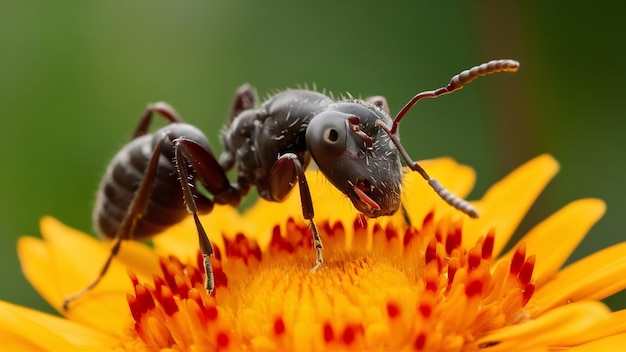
(356,156)
(357,147)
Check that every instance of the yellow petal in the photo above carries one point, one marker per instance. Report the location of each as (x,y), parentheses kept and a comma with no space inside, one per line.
(556,328)
(504,205)
(611,343)
(592,278)
(181,240)
(67,260)
(25,329)
(566,228)
(613,324)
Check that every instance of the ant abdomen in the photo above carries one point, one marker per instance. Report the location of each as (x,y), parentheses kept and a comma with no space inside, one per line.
(126,172)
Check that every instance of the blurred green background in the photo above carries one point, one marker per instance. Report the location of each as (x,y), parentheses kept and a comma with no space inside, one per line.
(74,77)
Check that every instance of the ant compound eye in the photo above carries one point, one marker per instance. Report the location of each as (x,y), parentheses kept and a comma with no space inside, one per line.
(326,136)
(331,135)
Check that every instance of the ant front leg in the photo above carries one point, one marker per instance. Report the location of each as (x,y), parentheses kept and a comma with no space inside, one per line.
(213,177)
(284,172)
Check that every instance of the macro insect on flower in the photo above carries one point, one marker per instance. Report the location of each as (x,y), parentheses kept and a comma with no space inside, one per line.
(425,277)
(150,183)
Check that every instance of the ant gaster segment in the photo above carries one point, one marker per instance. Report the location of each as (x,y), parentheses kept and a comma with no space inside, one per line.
(151,183)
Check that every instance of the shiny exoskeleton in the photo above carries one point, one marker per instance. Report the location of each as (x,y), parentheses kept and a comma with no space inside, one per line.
(151,183)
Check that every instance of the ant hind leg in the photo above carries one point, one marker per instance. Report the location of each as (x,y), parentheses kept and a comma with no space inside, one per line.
(127,226)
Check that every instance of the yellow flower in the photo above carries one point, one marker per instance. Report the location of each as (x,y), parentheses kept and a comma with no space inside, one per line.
(430,279)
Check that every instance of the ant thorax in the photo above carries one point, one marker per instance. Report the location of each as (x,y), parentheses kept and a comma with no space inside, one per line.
(256,137)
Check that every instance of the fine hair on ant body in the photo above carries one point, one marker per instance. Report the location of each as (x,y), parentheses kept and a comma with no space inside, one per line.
(150,183)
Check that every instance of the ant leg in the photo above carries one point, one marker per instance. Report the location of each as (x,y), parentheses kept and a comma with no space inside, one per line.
(379,101)
(289,164)
(243,103)
(164,109)
(126,229)
(244,100)
(212,176)
(405,216)
(209,172)
(114,250)
(455,201)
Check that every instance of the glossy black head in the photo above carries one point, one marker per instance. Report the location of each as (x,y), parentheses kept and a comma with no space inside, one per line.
(357,156)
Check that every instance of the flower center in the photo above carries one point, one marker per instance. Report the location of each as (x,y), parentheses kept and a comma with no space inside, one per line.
(380,288)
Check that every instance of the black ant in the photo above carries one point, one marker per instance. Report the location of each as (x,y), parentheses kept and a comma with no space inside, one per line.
(150,184)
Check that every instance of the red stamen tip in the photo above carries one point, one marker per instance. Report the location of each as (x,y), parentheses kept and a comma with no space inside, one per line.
(488,244)
(223,340)
(526,272)
(329,334)
(409,235)
(420,342)
(393,310)
(474,288)
(279,326)
(473,258)
(431,285)
(391,232)
(527,293)
(349,334)
(518,260)
(211,313)
(426,310)
(428,219)
(168,302)
(431,251)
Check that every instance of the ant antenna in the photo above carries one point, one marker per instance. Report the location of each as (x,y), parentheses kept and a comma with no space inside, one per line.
(457,82)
